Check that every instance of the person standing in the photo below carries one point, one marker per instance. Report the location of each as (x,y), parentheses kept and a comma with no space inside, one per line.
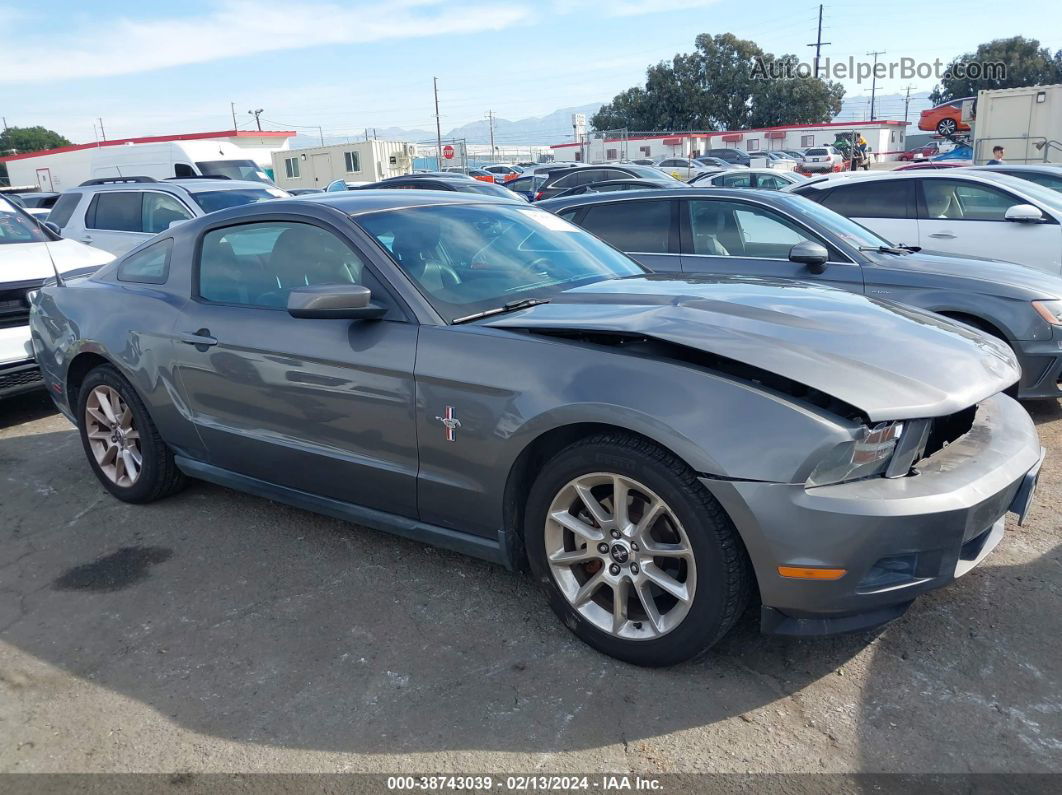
(997,156)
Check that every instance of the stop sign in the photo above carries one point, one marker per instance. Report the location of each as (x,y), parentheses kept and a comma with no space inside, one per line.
(448,152)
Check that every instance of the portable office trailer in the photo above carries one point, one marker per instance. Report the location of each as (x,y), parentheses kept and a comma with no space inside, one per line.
(1026,122)
(364,161)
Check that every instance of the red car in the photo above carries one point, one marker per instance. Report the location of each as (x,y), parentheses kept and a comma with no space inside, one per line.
(935,164)
(944,119)
(925,152)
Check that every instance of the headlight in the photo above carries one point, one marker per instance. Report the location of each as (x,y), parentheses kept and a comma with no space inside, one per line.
(864,457)
(1051,311)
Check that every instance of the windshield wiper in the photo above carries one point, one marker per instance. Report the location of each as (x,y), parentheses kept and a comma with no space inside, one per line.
(512,306)
(892,249)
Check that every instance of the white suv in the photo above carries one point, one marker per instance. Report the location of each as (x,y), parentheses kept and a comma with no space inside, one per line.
(27,254)
(822,158)
(118,214)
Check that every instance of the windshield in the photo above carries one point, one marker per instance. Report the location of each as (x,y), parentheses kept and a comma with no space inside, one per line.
(1047,180)
(16,227)
(233,169)
(650,173)
(214,200)
(471,258)
(1034,190)
(845,228)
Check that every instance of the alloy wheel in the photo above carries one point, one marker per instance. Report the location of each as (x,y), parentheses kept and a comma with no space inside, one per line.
(112,436)
(620,556)
(946,127)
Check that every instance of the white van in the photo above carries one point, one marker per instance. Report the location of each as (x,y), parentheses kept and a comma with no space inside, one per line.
(61,170)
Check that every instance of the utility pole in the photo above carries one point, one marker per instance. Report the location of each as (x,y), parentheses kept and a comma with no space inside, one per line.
(256,114)
(490,120)
(817,44)
(103,135)
(5,122)
(438,128)
(232,107)
(906,102)
(320,133)
(874,81)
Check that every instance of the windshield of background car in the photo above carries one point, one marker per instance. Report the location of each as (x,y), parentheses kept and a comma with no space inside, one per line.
(470,258)
(233,169)
(845,228)
(1041,193)
(16,227)
(649,173)
(213,200)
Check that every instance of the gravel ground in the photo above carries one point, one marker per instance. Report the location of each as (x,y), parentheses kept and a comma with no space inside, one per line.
(215,631)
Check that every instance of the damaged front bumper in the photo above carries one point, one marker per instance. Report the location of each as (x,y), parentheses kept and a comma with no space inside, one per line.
(894,538)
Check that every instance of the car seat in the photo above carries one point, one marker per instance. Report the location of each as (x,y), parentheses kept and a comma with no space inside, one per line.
(416,246)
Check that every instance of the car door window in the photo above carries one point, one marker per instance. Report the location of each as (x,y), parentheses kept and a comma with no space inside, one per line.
(742,180)
(150,266)
(259,264)
(160,210)
(567,181)
(736,229)
(635,226)
(118,211)
(770,182)
(63,209)
(965,201)
(872,199)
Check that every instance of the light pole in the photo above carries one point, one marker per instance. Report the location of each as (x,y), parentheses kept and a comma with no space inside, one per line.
(256,114)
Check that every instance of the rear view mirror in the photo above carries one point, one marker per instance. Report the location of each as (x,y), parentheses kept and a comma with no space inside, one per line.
(813,255)
(335,301)
(1024,214)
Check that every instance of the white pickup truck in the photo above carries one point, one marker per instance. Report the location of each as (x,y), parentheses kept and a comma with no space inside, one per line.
(27,254)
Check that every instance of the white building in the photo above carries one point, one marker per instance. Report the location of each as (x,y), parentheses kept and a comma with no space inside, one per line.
(363,161)
(885,138)
(158,156)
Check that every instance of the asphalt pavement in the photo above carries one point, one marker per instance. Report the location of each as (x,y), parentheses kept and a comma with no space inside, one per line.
(215,631)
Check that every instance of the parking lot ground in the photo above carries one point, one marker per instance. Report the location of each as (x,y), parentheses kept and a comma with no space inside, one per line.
(215,631)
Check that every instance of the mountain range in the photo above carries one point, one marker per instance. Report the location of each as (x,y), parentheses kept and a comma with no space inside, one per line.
(556,127)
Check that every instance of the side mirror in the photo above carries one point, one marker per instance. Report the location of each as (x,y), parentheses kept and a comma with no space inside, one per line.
(335,301)
(52,227)
(813,255)
(1024,214)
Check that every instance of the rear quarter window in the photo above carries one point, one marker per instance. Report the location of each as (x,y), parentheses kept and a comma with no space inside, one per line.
(150,266)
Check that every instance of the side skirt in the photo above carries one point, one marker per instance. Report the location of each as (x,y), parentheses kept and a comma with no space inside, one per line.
(465,543)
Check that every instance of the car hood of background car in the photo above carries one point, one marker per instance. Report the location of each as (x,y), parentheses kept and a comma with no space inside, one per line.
(23,262)
(999,275)
(891,362)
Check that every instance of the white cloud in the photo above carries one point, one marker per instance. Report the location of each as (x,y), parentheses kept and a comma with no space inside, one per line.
(631,8)
(237,28)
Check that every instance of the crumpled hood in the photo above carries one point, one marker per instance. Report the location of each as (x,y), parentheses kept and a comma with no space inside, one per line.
(23,262)
(892,362)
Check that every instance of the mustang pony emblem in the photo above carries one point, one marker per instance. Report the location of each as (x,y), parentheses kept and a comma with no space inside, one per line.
(451,423)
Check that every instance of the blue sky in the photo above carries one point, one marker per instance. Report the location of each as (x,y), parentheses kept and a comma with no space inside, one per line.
(155,68)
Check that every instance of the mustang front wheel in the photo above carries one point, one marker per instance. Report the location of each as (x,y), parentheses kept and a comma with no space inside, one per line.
(121,441)
(634,554)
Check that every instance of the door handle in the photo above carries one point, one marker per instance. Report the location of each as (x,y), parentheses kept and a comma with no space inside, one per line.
(200,338)
(943,235)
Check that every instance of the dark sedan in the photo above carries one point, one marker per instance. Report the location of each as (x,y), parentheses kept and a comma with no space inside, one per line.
(558,181)
(451,182)
(611,186)
(477,373)
(766,233)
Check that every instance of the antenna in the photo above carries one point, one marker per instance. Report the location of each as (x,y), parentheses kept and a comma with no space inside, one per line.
(55,268)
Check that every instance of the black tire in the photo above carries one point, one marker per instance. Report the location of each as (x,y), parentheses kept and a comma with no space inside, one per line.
(159,476)
(724,574)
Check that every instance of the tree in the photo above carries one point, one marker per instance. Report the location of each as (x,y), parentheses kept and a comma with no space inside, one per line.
(29,139)
(1024,63)
(726,83)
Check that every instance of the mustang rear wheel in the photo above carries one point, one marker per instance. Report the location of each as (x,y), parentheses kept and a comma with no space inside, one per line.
(946,127)
(634,554)
(121,442)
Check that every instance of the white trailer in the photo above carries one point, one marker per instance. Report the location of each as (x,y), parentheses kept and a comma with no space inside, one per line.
(1026,122)
(364,161)
(68,167)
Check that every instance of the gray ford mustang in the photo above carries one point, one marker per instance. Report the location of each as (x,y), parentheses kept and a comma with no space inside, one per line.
(482,375)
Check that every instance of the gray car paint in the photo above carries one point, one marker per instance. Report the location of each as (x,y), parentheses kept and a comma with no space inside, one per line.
(995,296)
(343,417)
